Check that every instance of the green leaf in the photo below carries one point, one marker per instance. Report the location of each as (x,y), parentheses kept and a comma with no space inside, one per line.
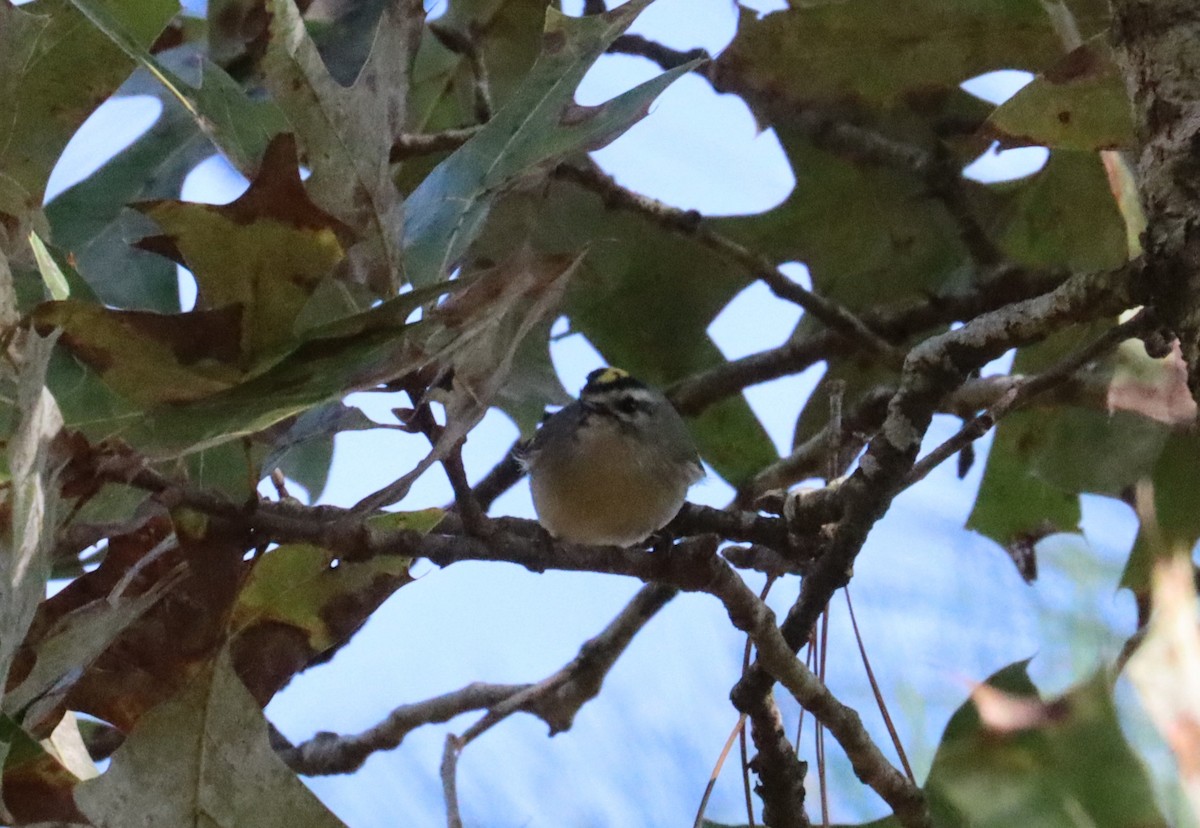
(891,239)
(241,127)
(508,37)
(1176,505)
(1098,451)
(304,450)
(191,399)
(799,58)
(233,467)
(539,126)
(90,220)
(1064,215)
(202,758)
(54,70)
(300,602)
(1042,460)
(508,34)
(1080,103)
(1013,507)
(343,35)
(308,588)
(1034,763)
(88,405)
(265,252)
(423,521)
(318,371)
(55,281)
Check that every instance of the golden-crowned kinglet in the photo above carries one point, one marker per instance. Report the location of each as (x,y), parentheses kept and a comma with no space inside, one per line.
(612,467)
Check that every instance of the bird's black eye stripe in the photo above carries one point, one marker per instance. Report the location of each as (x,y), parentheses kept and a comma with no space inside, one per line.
(628,405)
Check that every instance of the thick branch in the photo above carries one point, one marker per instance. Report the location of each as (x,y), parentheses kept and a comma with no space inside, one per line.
(932,370)
(1158,46)
(692,565)
(779,770)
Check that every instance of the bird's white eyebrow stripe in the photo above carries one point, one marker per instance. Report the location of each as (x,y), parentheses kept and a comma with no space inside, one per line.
(643,396)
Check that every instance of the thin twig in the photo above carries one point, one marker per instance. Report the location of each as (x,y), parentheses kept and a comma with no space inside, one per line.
(747,793)
(1023,392)
(879,700)
(702,390)
(831,313)
(574,684)
(689,222)
(330,753)
(822,777)
(464,43)
(747,650)
(421,419)
(559,697)
(473,515)
(810,457)
(738,729)
(412,144)
(449,772)
(666,57)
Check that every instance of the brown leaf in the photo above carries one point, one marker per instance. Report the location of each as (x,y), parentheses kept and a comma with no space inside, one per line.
(1003,713)
(1158,390)
(156,656)
(150,357)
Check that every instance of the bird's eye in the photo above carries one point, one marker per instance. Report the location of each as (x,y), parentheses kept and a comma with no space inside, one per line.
(627,405)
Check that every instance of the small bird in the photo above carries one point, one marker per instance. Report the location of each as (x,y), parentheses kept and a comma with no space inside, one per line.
(612,467)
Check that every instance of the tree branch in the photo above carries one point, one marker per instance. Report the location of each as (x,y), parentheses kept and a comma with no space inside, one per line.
(329,753)
(411,144)
(555,700)
(463,43)
(931,371)
(779,770)
(666,57)
(689,222)
(1158,47)
(700,391)
(502,477)
(691,565)
(1022,392)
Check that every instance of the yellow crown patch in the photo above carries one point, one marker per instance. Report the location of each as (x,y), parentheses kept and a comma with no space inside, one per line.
(606,376)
